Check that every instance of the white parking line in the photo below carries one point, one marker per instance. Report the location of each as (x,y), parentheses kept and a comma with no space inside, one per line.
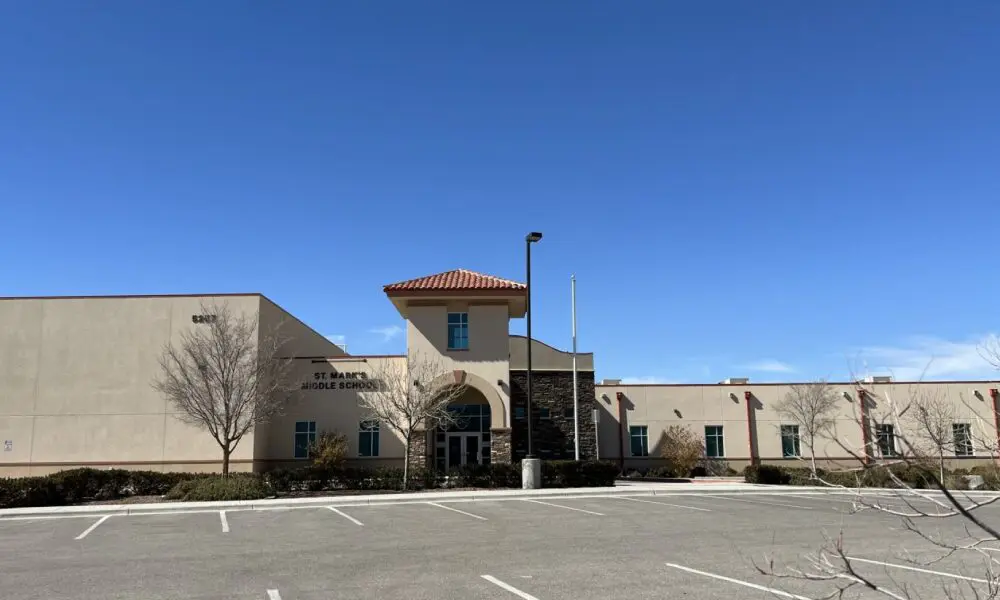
(461,512)
(917,569)
(225,522)
(663,503)
(589,512)
(509,588)
(757,501)
(93,527)
(774,591)
(346,516)
(273,595)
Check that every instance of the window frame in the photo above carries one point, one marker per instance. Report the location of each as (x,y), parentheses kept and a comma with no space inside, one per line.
(310,435)
(791,432)
(719,438)
(967,441)
(886,432)
(641,433)
(372,428)
(544,413)
(462,326)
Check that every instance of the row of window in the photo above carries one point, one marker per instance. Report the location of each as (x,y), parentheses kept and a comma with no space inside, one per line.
(368,438)
(885,437)
(544,413)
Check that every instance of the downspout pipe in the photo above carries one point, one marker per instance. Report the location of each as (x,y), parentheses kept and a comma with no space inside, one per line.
(995,395)
(621,431)
(865,434)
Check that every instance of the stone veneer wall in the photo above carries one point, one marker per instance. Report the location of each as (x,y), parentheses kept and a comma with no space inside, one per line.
(552,438)
(500,444)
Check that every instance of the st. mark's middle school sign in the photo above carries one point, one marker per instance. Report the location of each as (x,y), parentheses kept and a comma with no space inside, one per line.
(340,380)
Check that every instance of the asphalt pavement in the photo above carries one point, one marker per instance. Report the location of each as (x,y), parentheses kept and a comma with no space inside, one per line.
(699,545)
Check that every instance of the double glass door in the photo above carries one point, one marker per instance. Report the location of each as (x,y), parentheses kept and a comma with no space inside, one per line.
(462,449)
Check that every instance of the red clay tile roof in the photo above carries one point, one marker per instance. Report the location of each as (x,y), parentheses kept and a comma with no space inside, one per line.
(457,280)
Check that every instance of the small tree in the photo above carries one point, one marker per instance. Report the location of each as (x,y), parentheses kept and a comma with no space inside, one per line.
(225,376)
(410,395)
(813,407)
(682,449)
(932,417)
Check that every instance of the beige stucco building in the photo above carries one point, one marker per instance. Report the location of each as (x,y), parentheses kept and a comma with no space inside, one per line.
(76,374)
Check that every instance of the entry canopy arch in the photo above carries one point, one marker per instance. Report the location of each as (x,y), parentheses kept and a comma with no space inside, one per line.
(498,414)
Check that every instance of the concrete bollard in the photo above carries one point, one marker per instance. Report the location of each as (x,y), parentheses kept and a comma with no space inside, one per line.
(531,473)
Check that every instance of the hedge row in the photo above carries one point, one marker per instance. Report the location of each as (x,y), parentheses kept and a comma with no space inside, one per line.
(81,485)
(915,476)
(555,473)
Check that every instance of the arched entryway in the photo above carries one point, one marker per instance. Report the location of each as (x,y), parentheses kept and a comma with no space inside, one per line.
(467,439)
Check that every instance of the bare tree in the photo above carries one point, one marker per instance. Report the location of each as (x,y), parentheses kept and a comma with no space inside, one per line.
(813,407)
(226,376)
(932,417)
(411,395)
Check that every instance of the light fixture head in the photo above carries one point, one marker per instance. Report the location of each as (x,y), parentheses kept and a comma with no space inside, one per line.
(534,236)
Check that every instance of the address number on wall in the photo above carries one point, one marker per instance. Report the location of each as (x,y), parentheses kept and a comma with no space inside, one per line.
(204,318)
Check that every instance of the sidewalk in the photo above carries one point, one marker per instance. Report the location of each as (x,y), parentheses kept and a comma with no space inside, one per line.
(622,488)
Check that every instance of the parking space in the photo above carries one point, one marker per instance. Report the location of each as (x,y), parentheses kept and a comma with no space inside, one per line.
(547,548)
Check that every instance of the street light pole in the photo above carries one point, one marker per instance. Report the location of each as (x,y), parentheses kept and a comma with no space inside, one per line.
(532,237)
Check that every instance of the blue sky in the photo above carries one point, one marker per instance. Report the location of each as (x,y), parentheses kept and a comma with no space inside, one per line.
(779,190)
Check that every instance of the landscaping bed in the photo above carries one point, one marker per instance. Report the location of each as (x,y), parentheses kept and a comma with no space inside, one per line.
(87,486)
(915,476)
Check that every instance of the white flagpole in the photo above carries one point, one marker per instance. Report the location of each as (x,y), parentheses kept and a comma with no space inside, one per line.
(576,399)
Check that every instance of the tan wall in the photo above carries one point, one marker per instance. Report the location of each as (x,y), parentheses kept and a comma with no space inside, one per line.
(545,357)
(489,345)
(333,408)
(660,406)
(75,383)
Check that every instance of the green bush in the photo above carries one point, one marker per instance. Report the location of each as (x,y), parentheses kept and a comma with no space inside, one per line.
(181,490)
(583,473)
(208,489)
(81,485)
(766,474)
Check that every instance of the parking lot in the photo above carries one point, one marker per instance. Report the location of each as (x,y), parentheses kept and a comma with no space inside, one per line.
(548,548)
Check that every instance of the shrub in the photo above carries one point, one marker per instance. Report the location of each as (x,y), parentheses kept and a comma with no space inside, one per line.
(222,488)
(766,474)
(181,490)
(583,473)
(682,449)
(329,452)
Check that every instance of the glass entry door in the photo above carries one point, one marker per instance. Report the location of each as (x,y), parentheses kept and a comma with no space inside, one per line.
(462,449)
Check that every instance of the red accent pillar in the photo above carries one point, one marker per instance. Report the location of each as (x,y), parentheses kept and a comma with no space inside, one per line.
(621,431)
(995,395)
(864,426)
(748,397)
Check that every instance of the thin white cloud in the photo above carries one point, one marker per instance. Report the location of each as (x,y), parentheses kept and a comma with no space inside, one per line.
(337,338)
(649,379)
(768,365)
(388,332)
(923,357)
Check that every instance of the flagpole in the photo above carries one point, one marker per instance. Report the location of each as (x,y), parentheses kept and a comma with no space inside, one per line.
(576,399)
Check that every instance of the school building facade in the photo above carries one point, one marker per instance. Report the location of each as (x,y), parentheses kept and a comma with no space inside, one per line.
(76,374)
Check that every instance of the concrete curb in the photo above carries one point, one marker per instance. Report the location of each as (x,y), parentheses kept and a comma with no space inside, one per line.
(320,501)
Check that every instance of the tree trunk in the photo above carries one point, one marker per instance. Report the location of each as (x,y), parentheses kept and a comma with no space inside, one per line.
(812,461)
(406,462)
(941,465)
(225,460)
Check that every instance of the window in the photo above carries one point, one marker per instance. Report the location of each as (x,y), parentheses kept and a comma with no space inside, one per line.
(305,435)
(714,446)
(544,413)
(519,412)
(368,438)
(458,331)
(963,439)
(790,441)
(639,437)
(885,436)
(568,413)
